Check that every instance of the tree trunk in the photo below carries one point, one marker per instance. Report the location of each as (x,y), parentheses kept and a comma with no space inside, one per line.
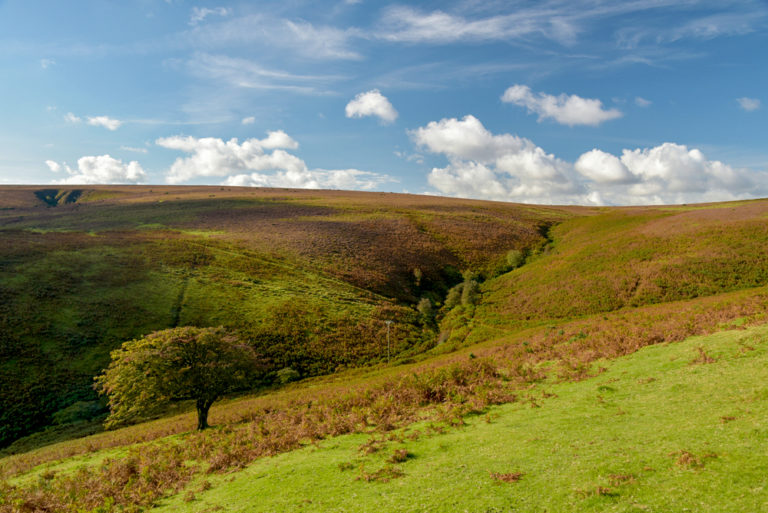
(203,405)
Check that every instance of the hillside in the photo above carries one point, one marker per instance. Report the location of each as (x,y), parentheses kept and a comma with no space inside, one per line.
(82,270)
(635,438)
(625,258)
(638,436)
(520,351)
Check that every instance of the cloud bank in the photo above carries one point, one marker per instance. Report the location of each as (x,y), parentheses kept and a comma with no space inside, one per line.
(371,103)
(566,110)
(250,163)
(499,167)
(506,167)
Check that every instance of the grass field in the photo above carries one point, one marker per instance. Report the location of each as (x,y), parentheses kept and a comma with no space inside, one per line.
(673,427)
(660,430)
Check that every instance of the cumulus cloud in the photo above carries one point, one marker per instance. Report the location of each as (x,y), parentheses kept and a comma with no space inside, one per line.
(566,110)
(249,120)
(200,13)
(46,63)
(748,104)
(311,179)
(498,167)
(249,163)
(106,122)
(100,169)
(510,168)
(668,173)
(603,167)
(71,118)
(371,103)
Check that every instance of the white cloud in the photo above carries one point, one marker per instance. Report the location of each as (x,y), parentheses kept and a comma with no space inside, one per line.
(311,179)
(642,102)
(100,169)
(249,120)
(200,13)
(668,173)
(406,24)
(664,21)
(499,167)
(748,104)
(278,139)
(410,157)
(566,110)
(510,168)
(603,167)
(106,122)
(47,63)
(248,163)
(371,103)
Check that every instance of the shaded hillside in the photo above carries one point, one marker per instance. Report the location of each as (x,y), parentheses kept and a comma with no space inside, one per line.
(373,240)
(308,277)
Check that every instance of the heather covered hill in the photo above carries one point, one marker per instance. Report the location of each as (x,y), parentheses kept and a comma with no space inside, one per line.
(550,297)
(626,258)
(374,240)
(307,276)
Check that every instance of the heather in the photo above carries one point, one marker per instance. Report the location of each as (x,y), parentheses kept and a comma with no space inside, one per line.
(495,309)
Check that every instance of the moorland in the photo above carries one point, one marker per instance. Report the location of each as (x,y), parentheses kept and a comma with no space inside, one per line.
(517,364)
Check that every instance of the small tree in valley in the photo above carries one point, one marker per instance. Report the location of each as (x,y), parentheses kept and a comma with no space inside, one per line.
(201,364)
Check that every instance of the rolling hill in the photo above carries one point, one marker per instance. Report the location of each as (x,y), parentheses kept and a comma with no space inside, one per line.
(530,303)
(83,270)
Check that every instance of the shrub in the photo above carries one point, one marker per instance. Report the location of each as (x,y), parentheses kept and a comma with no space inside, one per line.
(286,375)
(515,258)
(453,298)
(469,292)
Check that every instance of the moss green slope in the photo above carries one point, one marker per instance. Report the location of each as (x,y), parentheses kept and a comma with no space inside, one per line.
(659,431)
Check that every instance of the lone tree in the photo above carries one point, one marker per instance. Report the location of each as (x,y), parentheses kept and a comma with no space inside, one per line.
(175,364)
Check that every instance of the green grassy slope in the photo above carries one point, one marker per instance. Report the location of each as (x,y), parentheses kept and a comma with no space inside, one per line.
(659,431)
(306,276)
(673,427)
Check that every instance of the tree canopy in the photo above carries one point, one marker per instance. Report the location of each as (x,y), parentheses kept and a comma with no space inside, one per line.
(200,364)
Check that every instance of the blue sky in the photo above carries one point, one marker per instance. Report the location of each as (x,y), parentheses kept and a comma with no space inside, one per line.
(576,102)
